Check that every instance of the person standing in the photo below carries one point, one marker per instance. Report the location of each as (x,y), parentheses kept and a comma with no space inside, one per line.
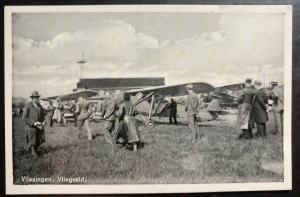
(109,115)
(58,107)
(260,107)
(191,109)
(128,129)
(244,118)
(83,114)
(173,111)
(34,118)
(277,96)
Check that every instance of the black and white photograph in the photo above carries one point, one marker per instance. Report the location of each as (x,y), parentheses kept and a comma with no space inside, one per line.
(147,99)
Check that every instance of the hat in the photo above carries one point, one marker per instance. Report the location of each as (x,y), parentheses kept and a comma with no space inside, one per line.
(189,86)
(257,82)
(35,94)
(274,83)
(248,80)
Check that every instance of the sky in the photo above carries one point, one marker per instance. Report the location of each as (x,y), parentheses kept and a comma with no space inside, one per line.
(219,49)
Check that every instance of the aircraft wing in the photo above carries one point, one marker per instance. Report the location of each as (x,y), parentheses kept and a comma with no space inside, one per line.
(232,87)
(174,90)
(75,95)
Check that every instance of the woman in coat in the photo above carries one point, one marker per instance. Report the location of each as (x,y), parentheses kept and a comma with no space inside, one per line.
(34,120)
(128,123)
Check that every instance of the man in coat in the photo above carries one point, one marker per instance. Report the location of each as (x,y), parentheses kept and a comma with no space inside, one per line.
(34,120)
(58,108)
(83,114)
(192,111)
(110,108)
(173,111)
(277,95)
(244,120)
(260,107)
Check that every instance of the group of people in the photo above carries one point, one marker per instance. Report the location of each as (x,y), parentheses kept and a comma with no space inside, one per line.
(125,133)
(254,107)
(120,124)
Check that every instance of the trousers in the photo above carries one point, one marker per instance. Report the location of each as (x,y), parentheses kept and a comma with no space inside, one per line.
(193,125)
(87,127)
(278,119)
(172,116)
(109,134)
(261,129)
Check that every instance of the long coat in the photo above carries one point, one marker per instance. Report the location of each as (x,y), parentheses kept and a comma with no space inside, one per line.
(128,124)
(32,114)
(244,120)
(260,106)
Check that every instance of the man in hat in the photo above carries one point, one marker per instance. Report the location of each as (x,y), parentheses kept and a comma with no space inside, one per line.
(244,120)
(260,107)
(192,111)
(34,120)
(83,114)
(277,96)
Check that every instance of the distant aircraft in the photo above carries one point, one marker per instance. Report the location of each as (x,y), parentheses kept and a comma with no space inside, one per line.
(47,102)
(74,95)
(227,95)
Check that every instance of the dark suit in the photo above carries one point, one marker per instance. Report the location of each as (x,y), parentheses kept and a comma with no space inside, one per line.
(173,112)
(34,136)
(260,115)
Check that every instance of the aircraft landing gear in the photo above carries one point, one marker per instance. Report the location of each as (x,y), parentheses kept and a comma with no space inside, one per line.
(150,123)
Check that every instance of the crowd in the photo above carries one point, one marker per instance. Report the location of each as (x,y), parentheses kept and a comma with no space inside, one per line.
(120,124)
(255,103)
(123,114)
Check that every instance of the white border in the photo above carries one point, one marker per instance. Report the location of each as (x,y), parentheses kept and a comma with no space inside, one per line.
(158,188)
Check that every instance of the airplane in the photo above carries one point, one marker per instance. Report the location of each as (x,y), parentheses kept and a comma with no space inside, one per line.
(149,101)
(227,95)
(153,101)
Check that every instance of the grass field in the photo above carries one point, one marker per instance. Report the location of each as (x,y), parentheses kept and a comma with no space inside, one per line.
(167,155)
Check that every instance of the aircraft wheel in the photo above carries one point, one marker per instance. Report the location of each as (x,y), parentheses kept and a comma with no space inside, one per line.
(150,123)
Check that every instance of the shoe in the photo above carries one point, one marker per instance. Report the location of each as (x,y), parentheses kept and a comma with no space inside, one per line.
(241,136)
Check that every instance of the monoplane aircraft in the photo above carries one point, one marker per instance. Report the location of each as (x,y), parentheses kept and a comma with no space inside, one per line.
(154,101)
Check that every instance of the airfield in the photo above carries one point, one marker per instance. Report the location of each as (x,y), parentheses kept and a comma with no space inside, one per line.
(167,155)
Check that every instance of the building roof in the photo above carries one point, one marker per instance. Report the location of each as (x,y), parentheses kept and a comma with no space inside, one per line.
(120,82)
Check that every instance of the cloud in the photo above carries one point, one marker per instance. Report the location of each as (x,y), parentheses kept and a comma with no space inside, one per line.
(114,48)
